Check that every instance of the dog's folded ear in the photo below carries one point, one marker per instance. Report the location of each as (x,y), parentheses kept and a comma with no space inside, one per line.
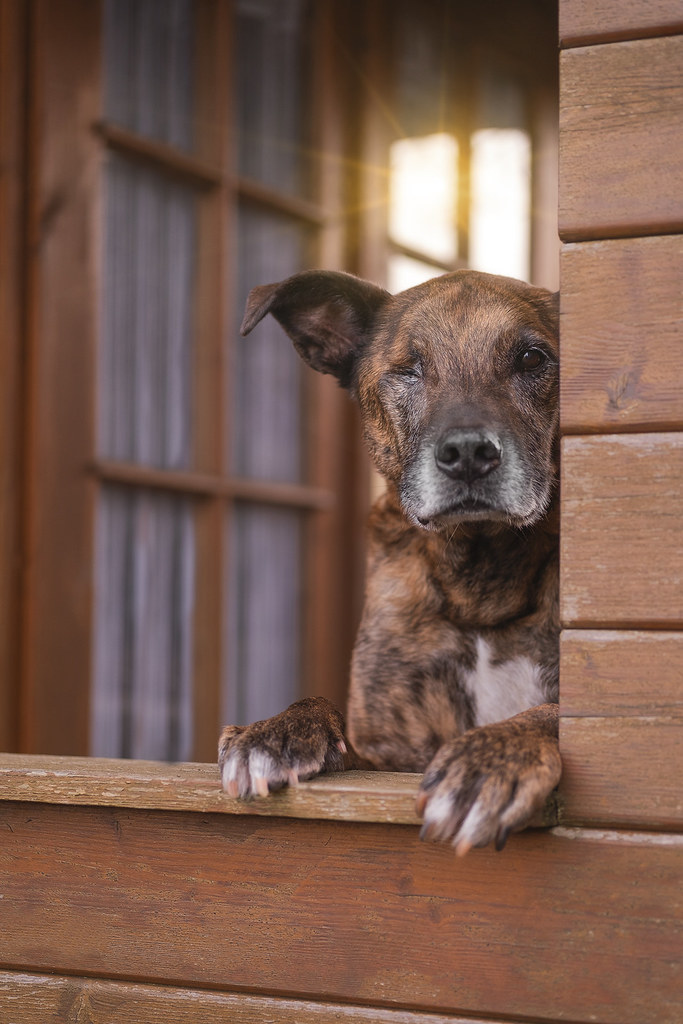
(327,314)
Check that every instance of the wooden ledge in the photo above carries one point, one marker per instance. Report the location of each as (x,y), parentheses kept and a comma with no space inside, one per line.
(151,785)
(383,797)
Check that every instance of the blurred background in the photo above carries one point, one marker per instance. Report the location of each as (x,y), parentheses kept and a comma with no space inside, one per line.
(181,509)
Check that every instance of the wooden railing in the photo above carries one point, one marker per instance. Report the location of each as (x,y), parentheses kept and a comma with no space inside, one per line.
(134,891)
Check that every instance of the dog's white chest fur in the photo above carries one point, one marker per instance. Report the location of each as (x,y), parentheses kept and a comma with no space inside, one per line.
(499,691)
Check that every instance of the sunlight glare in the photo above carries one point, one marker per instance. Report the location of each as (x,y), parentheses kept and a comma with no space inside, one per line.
(499,241)
(423,191)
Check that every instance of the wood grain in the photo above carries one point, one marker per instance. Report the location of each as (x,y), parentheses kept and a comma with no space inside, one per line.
(622,530)
(592,21)
(62,257)
(621,171)
(387,797)
(346,912)
(13,20)
(622,772)
(621,311)
(39,998)
(352,796)
(621,673)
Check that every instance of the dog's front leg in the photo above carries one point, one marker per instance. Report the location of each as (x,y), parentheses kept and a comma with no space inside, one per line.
(489,781)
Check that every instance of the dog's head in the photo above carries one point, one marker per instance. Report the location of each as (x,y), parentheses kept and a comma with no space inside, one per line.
(457,382)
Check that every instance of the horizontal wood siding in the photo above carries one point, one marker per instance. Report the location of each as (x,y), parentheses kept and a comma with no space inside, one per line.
(345,911)
(622,357)
(622,530)
(620,117)
(610,673)
(593,21)
(622,771)
(622,701)
(40,998)
(621,212)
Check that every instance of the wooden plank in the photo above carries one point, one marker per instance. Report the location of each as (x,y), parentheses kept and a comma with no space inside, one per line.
(63,253)
(592,21)
(622,771)
(621,171)
(12,177)
(622,531)
(213,295)
(621,310)
(354,796)
(36,998)
(387,797)
(347,912)
(621,673)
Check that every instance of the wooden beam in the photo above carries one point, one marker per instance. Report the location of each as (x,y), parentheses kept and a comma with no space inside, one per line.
(621,310)
(62,318)
(13,43)
(41,997)
(602,21)
(621,172)
(622,531)
(346,912)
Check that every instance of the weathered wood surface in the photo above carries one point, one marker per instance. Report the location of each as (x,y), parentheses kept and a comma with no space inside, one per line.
(590,21)
(623,772)
(564,924)
(152,785)
(621,171)
(36,999)
(621,673)
(622,530)
(621,729)
(622,357)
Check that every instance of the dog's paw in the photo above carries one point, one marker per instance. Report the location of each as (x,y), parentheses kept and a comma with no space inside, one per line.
(304,740)
(490,781)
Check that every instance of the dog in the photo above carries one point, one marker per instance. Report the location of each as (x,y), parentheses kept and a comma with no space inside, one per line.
(455,667)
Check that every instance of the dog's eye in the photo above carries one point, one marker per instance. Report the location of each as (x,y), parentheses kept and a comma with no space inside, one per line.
(529,360)
(412,372)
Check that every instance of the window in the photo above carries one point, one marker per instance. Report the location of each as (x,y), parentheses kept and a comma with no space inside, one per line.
(191,507)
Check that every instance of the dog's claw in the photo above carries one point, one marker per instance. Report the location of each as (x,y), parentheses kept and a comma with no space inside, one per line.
(420,804)
(463,847)
(502,838)
(261,786)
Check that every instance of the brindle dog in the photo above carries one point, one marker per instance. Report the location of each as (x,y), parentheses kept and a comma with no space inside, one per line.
(455,668)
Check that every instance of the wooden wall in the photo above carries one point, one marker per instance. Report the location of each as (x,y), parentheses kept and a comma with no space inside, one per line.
(621,217)
(139,893)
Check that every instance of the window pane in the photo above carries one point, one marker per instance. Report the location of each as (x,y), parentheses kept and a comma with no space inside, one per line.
(266,373)
(271,57)
(264,619)
(423,193)
(149,67)
(500,212)
(145,366)
(144,578)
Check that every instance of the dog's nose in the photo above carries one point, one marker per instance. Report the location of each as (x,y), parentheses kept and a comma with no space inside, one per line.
(467,454)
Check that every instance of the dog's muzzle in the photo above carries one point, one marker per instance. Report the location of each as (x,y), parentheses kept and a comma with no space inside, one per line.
(467,454)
